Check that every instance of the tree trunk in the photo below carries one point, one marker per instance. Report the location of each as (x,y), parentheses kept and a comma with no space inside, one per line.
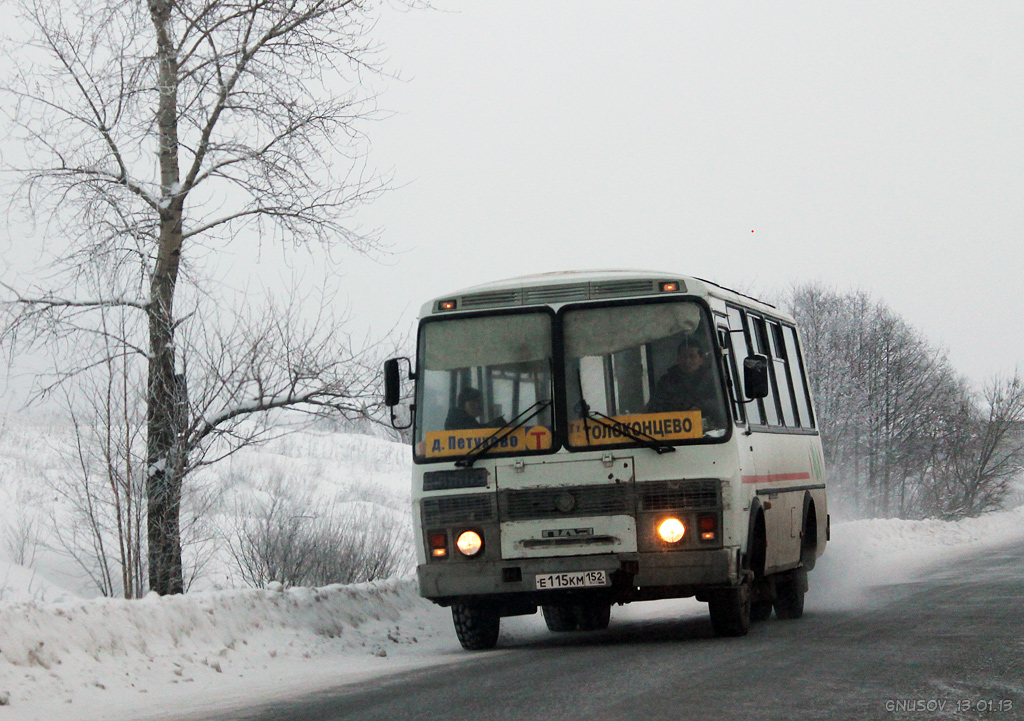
(166,468)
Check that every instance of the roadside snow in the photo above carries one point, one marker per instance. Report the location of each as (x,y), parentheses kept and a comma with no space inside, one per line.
(162,658)
(67,655)
(879,552)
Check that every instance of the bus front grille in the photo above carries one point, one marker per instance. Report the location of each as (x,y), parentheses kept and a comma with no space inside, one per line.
(570,501)
(448,510)
(541,503)
(675,495)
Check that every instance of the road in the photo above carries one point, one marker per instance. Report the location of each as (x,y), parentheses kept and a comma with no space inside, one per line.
(949,645)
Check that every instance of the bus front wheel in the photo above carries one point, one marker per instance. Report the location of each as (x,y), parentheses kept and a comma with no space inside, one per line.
(476,626)
(730,610)
(595,617)
(561,618)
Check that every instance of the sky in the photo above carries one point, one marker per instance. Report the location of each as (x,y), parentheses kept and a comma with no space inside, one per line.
(873,146)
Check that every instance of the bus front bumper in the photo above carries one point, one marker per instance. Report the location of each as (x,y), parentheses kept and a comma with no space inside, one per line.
(633,576)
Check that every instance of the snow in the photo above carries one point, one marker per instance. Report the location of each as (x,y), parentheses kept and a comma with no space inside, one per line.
(107,658)
(64,655)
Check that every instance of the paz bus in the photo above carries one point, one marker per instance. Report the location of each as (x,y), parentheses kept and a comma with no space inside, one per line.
(586,439)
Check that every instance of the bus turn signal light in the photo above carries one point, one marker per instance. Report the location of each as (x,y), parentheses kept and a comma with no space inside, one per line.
(439,545)
(708,527)
(671,530)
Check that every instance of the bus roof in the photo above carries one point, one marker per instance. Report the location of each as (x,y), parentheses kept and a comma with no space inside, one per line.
(562,287)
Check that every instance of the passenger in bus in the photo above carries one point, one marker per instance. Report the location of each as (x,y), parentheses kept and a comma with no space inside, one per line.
(464,415)
(689,385)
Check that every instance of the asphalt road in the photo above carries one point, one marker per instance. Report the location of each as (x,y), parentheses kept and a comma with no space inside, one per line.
(950,645)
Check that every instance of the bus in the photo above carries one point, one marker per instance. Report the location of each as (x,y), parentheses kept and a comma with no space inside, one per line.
(587,439)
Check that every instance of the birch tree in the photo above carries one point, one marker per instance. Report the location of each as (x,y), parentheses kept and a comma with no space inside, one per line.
(154,132)
(983,453)
(903,433)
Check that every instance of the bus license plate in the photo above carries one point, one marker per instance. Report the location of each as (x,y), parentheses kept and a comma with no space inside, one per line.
(578,579)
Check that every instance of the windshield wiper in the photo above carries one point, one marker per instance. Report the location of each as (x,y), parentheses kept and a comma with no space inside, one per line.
(502,433)
(639,436)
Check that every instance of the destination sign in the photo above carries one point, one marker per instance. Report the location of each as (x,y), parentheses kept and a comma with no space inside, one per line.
(439,444)
(676,426)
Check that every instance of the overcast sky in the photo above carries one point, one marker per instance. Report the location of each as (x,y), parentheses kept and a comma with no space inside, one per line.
(870,145)
(874,146)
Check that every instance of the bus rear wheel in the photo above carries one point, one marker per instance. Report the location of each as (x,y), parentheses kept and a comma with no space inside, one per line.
(476,626)
(561,618)
(730,610)
(789,594)
(760,611)
(595,617)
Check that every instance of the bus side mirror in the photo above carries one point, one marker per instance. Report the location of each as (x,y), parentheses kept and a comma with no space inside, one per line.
(393,388)
(392,383)
(755,376)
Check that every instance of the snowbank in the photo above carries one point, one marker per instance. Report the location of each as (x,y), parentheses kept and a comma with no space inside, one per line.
(89,657)
(203,652)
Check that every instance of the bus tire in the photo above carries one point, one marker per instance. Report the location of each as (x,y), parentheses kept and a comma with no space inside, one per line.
(561,618)
(730,610)
(789,594)
(594,617)
(762,588)
(476,626)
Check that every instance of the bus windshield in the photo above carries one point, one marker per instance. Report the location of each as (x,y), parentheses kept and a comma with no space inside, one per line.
(650,367)
(479,376)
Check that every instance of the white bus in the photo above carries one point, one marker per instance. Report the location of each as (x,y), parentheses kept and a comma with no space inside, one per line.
(588,439)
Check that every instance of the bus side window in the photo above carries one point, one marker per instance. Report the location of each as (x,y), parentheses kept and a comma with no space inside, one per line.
(796,366)
(739,335)
(732,376)
(781,372)
(760,337)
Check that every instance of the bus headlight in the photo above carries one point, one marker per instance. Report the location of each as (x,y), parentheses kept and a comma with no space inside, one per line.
(469,543)
(671,530)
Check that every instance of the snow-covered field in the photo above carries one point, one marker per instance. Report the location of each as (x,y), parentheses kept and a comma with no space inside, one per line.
(67,656)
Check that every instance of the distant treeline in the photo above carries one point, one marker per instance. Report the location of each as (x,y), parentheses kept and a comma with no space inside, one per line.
(905,435)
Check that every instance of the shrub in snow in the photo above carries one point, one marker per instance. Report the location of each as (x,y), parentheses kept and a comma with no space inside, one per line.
(285,533)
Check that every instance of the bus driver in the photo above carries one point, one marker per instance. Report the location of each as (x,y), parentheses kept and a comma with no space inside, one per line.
(688,385)
(469,406)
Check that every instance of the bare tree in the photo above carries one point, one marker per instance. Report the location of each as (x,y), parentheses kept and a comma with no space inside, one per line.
(984,453)
(23,535)
(154,131)
(885,395)
(903,433)
(104,490)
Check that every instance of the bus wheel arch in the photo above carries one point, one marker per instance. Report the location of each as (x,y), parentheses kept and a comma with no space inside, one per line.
(809,534)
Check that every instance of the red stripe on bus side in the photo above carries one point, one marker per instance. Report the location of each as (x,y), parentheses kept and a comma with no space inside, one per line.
(777,477)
